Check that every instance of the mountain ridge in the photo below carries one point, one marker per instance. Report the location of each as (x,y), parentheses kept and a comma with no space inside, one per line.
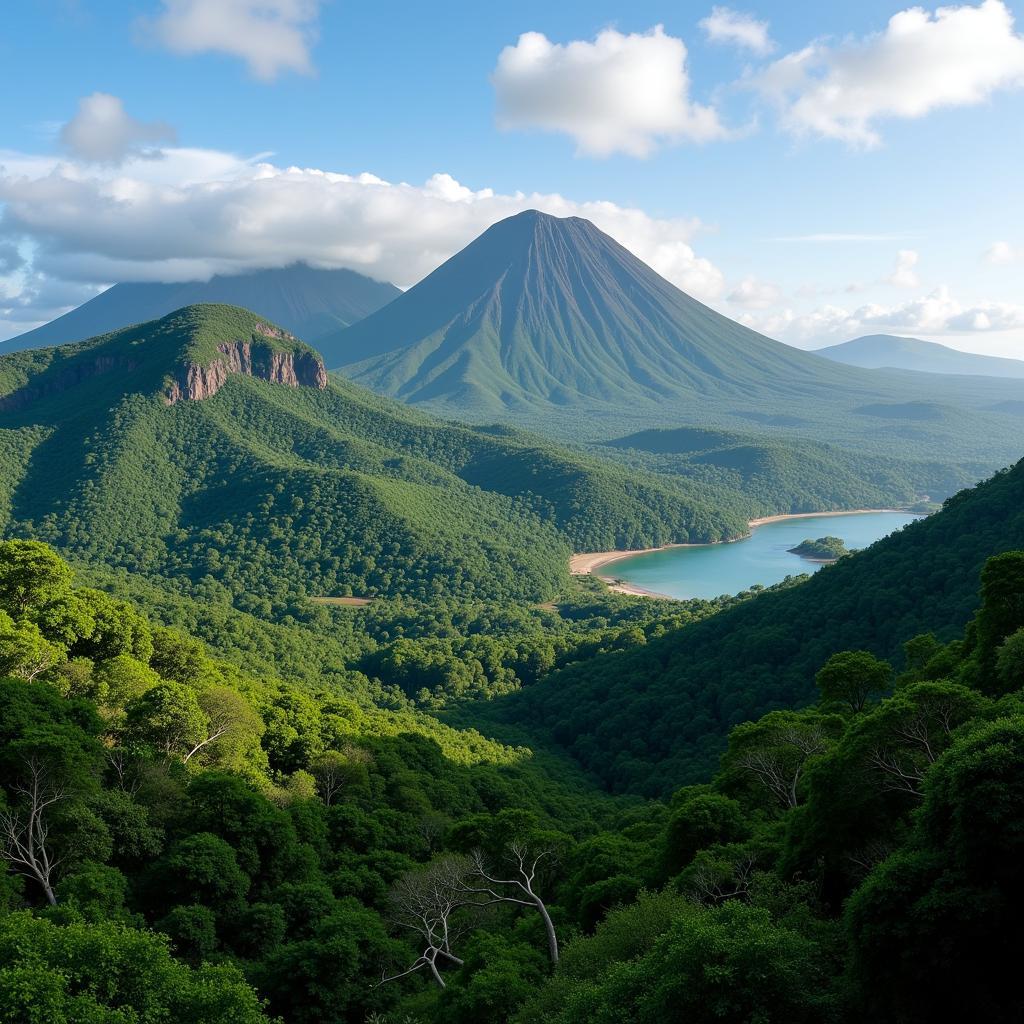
(320,487)
(307,301)
(187,355)
(889,351)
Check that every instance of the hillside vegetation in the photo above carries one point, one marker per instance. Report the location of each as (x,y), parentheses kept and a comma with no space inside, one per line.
(460,803)
(212,846)
(273,491)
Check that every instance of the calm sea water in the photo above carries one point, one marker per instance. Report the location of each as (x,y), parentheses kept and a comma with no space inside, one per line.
(709,570)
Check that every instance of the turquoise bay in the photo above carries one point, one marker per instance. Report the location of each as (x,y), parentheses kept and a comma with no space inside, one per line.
(708,570)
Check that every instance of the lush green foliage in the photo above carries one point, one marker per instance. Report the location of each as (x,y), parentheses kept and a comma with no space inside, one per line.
(780,469)
(253,823)
(247,810)
(839,858)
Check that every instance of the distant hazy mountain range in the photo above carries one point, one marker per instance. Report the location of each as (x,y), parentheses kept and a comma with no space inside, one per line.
(308,302)
(882,351)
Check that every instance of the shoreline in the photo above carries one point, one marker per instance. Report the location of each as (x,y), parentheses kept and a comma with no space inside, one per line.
(632,590)
(588,563)
(817,515)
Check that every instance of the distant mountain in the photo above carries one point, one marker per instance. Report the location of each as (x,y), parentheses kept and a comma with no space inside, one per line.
(308,302)
(551,325)
(544,311)
(887,351)
(210,447)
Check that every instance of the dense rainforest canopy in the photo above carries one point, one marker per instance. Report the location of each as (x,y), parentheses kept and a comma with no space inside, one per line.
(185,841)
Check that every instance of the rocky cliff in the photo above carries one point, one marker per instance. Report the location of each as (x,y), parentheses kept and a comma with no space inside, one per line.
(195,382)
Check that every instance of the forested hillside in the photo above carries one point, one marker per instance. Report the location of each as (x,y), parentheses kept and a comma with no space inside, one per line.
(186,842)
(224,801)
(322,489)
(653,717)
(794,474)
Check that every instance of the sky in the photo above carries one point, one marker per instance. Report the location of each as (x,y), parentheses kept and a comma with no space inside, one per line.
(816,171)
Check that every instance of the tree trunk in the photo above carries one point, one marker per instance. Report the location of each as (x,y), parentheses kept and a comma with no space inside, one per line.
(549,928)
(436,973)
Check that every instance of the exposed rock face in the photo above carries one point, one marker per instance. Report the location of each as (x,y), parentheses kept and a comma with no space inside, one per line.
(195,382)
(79,371)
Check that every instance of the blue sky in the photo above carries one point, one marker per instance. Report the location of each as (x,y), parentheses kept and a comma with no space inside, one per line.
(712,148)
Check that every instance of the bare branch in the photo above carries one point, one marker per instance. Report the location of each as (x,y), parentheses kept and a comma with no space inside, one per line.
(213,736)
(519,889)
(899,774)
(426,903)
(24,832)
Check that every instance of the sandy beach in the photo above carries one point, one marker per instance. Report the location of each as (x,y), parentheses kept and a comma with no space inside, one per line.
(817,515)
(587,563)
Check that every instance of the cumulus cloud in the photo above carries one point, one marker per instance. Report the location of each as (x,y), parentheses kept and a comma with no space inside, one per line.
(1002,253)
(199,212)
(937,313)
(724,25)
(102,130)
(271,36)
(905,276)
(618,94)
(751,293)
(952,57)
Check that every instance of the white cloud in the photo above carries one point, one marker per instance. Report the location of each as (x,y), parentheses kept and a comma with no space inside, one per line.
(905,276)
(1002,253)
(937,313)
(952,57)
(724,25)
(620,93)
(101,130)
(271,36)
(38,299)
(199,212)
(751,293)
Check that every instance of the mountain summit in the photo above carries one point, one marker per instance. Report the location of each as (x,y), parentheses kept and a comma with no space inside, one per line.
(550,324)
(546,310)
(187,355)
